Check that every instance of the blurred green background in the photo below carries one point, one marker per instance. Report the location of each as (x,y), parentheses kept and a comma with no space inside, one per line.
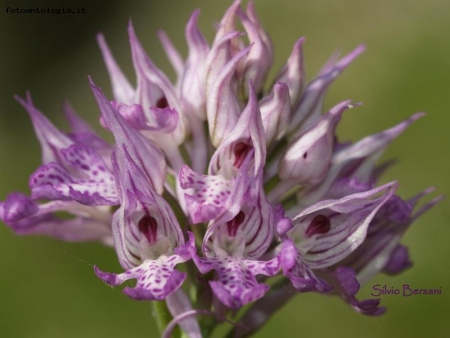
(48,288)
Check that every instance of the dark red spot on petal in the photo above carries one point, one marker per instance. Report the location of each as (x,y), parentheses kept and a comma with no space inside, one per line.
(162,103)
(148,226)
(320,224)
(240,152)
(234,224)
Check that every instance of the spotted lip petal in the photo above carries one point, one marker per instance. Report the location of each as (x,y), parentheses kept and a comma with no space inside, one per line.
(328,231)
(236,284)
(156,279)
(210,196)
(214,196)
(80,176)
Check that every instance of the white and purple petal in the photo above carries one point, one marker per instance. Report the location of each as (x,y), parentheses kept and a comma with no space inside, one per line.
(130,141)
(222,106)
(308,156)
(259,60)
(157,90)
(293,73)
(301,276)
(156,279)
(192,81)
(247,136)
(330,230)
(275,112)
(82,176)
(122,90)
(209,199)
(236,284)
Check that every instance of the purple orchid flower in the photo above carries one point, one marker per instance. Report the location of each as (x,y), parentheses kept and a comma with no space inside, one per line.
(147,236)
(216,193)
(328,231)
(251,175)
(75,177)
(235,242)
(70,170)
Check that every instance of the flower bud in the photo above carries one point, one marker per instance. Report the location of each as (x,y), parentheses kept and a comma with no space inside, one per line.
(308,157)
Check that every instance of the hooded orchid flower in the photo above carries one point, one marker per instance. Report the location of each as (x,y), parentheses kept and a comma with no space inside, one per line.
(330,230)
(147,236)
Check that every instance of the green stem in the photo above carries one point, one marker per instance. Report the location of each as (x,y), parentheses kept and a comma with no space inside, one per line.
(162,317)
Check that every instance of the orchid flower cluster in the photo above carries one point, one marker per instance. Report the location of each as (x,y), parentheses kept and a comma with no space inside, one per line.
(217,182)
